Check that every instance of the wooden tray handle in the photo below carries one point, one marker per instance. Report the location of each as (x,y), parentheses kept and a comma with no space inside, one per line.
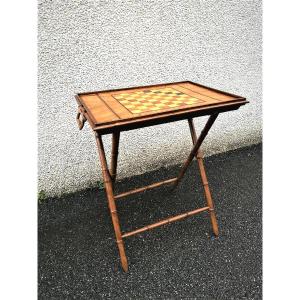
(82,120)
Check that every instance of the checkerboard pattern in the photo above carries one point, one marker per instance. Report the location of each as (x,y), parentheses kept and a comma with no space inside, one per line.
(154,100)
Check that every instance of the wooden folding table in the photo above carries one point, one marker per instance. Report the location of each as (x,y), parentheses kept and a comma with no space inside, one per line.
(113,111)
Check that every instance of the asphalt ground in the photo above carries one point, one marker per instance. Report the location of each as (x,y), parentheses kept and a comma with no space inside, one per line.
(78,257)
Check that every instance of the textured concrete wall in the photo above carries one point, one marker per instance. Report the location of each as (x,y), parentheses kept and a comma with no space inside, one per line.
(94,45)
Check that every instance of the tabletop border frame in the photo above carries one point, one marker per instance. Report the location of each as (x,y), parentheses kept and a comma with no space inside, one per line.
(161,117)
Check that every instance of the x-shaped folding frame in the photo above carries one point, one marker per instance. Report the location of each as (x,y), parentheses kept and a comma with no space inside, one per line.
(109,177)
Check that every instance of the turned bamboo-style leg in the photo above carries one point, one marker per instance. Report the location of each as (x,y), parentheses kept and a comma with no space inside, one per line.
(114,155)
(196,146)
(111,202)
(207,193)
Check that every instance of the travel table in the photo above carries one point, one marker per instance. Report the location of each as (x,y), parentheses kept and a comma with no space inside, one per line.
(113,111)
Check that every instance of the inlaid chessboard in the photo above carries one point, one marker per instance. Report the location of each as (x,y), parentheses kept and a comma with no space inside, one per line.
(112,108)
(155,99)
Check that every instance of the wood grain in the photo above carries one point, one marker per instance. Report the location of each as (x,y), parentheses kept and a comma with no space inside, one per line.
(98,110)
(207,92)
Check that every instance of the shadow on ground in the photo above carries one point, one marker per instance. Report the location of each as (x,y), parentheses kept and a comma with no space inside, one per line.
(78,256)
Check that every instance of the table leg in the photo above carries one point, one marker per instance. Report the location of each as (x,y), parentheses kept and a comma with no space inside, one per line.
(207,193)
(111,201)
(114,156)
(196,146)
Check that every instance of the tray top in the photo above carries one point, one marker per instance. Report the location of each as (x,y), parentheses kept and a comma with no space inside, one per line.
(113,107)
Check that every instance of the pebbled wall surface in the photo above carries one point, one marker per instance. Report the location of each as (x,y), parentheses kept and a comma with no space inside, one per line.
(95,45)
